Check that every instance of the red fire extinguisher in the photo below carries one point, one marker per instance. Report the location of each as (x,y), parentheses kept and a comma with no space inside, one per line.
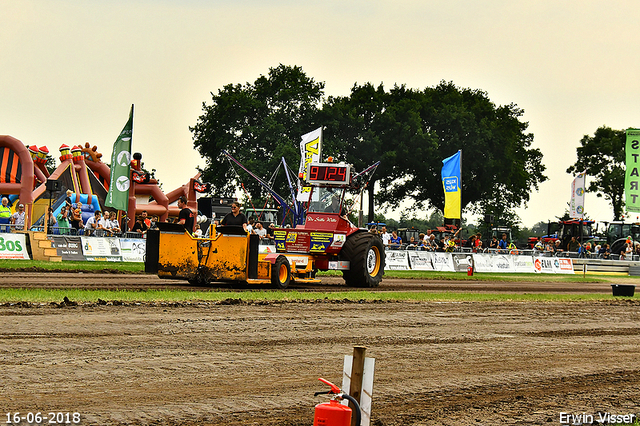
(333,413)
(470,268)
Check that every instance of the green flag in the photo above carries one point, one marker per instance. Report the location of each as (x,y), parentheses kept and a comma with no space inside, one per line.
(118,196)
(632,175)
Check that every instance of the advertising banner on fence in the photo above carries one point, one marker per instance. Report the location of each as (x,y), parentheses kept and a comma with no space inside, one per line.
(482,262)
(494,263)
(69,248)
(13,246)
(522,263)
(553,265)
(442,262)
(133,249)
(101,249)
(461,261)
(420,260)
(396,259)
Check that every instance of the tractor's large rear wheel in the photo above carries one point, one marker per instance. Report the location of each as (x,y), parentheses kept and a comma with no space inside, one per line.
(365,253)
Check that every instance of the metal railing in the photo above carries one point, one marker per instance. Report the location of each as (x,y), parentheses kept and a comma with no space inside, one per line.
(518,251)
(77,232)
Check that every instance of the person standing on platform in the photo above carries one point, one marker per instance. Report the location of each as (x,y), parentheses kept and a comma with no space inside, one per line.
(185,218)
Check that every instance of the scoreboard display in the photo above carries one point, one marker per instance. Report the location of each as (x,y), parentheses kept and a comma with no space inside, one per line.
(328,173)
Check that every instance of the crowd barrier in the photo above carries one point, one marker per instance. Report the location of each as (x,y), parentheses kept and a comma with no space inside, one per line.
(481,262)
(106,249)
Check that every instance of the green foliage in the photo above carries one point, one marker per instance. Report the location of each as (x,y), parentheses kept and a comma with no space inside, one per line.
(258,124)
(168,296)
(602,157)
(498,166)
(409,131)
(539,229)
(36,265)
(50,165)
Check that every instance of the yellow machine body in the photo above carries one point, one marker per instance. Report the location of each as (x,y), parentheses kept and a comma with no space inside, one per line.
(231,254)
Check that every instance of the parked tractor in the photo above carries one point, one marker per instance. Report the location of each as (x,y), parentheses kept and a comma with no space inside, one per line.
(563,230)
(326,240)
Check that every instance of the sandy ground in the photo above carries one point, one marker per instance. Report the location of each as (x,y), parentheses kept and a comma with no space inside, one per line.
(239,363)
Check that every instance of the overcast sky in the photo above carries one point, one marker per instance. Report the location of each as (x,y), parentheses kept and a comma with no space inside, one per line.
(70,70)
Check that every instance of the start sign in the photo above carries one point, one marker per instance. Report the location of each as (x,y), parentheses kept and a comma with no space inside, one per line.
(632,175)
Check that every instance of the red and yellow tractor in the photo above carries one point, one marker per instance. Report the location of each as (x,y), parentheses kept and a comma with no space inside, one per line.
(326,240)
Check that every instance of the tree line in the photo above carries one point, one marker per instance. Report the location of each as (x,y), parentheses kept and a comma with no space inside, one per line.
(410,131)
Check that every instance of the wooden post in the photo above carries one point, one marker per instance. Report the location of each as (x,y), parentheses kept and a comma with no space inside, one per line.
(357,370)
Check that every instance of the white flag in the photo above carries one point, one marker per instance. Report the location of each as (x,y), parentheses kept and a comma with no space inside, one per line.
(310,152)
(577,197)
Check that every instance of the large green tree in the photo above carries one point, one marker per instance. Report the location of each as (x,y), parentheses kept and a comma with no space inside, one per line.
(258,124)
(373,125)
(499,167)
(602,157)
(410,131)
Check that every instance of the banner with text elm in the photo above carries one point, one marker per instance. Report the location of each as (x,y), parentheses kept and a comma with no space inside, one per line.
(632,176)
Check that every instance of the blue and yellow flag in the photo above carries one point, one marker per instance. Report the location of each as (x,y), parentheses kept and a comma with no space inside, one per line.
(451,181)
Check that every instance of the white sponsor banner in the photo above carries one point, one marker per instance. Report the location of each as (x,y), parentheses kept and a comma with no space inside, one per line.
(420,260)
(100,247)
(553,265)
(576,205)
(133,249)
(502,263)
(396,259)
(482,262)
(544,265)
(443,262)
(494,262)
(13,246)
(522,263)
(462,261)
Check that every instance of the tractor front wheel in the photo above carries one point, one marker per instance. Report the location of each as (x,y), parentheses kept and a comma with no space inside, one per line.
(281,273)
(365,253)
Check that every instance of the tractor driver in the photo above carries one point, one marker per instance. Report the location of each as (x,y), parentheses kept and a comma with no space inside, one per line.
(235,218)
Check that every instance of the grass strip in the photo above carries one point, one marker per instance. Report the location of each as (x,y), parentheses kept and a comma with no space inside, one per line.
(138,268)
(97,296)
(71,266)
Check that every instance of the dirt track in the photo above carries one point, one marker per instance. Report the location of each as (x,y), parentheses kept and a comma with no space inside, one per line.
(480,363)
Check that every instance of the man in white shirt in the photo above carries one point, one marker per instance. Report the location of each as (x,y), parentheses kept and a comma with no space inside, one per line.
(93,225)
(17,219)
(260,231)
(105,223)
(115,226)
(386,237)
